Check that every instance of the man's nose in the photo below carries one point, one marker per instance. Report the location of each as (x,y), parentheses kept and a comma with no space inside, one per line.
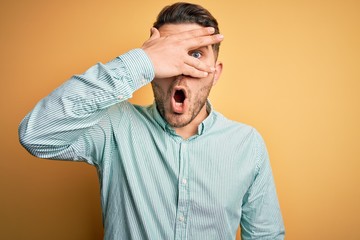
(180,77)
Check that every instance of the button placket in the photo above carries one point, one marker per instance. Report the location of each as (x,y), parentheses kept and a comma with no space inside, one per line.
(184,181)
(183,193)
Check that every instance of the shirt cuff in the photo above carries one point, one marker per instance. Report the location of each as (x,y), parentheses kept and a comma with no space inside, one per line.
(139,66)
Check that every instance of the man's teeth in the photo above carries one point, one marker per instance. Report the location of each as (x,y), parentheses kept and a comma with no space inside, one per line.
(178,104)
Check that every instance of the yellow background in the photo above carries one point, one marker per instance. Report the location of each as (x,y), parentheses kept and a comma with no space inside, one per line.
(291,69)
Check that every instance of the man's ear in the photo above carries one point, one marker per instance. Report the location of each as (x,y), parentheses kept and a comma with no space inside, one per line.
(217,73)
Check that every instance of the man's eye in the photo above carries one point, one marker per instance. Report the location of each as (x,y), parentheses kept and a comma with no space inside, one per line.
(196,54)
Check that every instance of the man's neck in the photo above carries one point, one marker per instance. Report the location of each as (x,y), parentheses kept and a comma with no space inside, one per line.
(192,128)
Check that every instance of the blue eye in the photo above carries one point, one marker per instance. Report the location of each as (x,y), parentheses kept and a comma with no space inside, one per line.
(196,54)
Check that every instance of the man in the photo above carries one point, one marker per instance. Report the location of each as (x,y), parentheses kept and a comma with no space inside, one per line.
(176,169)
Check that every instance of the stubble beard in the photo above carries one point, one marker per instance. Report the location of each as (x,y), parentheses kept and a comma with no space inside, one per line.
(176,120)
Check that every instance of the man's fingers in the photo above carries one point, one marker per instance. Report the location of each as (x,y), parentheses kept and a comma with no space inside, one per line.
(199,37)
(198,65)
(195,68)
(169,54)
(203,31)
(193,72)
(204,41)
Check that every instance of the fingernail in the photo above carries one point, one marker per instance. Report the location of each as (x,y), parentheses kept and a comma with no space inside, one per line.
(205,74)
(211,30)
(212,69)
(220,36)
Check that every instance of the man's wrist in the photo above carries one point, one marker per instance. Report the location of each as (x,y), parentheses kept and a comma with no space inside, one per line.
(138,66)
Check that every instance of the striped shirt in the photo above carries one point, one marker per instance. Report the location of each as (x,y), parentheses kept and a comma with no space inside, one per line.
(154,184)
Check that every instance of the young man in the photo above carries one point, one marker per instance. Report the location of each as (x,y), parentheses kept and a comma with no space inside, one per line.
(176,169)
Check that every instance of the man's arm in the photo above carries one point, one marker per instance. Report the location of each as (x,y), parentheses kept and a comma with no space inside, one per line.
(79,104)
(76,107)
(261,217)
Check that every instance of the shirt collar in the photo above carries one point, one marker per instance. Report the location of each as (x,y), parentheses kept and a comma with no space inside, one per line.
(158,118)
(202,128)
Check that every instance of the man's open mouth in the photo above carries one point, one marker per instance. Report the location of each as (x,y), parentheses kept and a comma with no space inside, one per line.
(179,97)
(178,100)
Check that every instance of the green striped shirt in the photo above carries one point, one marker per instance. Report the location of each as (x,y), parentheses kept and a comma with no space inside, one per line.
(154,184)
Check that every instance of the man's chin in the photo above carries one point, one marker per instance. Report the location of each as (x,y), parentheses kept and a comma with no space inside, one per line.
(178,120)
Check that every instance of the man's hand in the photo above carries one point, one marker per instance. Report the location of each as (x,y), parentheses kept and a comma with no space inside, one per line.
(170,54)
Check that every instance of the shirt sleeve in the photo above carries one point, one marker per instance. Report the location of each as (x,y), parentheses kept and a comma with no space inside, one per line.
(73,118)
(261,216)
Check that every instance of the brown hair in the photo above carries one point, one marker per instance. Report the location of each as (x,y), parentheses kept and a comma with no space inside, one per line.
(182,12)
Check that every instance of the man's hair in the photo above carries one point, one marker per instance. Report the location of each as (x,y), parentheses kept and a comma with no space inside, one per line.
(182,12)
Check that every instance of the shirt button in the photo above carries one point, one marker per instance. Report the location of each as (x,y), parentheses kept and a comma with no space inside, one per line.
(121,97)
(184,181)
(181,218)
(143,81)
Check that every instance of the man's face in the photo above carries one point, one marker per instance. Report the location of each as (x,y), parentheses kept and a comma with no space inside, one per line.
(181,99)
